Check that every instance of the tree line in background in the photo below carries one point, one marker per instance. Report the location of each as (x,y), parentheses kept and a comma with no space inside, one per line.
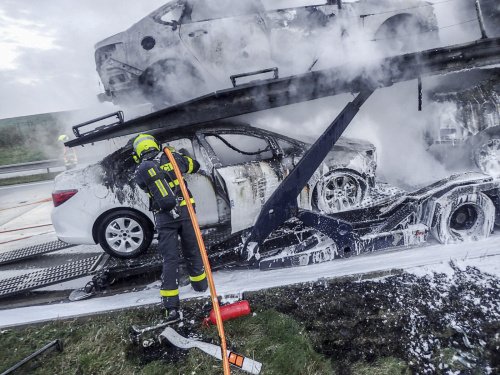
(31,138)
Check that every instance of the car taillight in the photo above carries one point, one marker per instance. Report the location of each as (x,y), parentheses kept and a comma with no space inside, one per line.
(61,196)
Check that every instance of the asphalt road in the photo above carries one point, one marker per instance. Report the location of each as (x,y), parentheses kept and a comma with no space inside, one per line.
(13,195)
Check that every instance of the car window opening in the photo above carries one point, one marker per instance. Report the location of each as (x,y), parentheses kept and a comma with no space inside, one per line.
(230,152)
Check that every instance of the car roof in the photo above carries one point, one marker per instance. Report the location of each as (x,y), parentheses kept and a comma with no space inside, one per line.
(221,125)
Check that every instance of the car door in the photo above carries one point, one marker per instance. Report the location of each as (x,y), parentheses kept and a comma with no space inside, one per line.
(228,37)
(250,170)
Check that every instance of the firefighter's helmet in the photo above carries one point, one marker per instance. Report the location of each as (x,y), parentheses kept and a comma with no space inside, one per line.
(143,144)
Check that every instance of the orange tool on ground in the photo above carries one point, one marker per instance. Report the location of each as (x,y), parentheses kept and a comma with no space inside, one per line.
(204,256)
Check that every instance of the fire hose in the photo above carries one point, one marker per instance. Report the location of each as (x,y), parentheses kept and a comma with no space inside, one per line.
(204,256)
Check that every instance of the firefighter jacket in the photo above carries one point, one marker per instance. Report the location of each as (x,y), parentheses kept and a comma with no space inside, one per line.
(155,175)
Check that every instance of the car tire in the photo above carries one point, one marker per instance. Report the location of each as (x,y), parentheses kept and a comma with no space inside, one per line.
(463,217)
(401,33)
(157,81)
(338,191)
(124,234)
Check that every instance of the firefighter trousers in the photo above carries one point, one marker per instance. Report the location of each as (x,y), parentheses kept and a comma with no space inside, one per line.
(169,232)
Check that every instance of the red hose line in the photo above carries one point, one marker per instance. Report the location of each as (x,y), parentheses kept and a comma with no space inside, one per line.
(34,226)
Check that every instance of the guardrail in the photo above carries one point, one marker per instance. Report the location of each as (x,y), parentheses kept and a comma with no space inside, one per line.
(42,164)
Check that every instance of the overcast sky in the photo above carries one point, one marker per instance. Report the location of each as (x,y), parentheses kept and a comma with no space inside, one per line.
(47,49)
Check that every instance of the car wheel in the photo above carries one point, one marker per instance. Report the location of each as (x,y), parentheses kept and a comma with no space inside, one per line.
(124,234)
(401,33)
(338,191)
(487,157)
(170,81)
(464,217)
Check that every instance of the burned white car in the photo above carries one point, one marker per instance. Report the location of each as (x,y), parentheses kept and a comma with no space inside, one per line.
(241,166)
(189,47)
(469,125)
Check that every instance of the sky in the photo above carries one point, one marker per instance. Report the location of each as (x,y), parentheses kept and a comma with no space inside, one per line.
(47,51)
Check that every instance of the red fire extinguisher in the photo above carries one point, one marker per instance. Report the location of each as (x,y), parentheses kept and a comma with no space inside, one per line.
(230,311)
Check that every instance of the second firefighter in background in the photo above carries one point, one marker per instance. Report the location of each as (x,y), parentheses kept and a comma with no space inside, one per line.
(155,175)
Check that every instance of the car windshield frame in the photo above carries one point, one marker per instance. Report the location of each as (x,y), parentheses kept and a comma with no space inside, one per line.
(218,133)
(164,9)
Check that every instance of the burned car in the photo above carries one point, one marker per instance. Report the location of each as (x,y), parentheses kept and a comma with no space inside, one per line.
(189,47)
(241,166)
(469,126)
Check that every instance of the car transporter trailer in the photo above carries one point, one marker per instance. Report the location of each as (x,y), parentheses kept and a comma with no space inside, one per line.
(463,205)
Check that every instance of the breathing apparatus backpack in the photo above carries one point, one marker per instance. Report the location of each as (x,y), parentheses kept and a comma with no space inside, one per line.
(156,181)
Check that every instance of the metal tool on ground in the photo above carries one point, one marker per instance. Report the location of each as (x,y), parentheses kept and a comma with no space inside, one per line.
(229,311)
(246,364)
(57,344)
(204,256)
(135,332)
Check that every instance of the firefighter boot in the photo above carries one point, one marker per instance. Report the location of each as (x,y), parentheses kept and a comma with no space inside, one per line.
(172,316)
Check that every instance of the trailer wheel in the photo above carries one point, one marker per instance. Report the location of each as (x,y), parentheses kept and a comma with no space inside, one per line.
(464,217)
(124,234)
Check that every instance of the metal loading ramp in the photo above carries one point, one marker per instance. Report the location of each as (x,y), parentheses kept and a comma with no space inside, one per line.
(32,251)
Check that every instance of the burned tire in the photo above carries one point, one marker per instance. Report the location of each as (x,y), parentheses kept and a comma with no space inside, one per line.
(124,234)
(170,81)
(338,191)
(463,218)
(403,33)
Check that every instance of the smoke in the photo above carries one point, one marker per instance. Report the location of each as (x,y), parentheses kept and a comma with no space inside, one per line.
(390,119)
(49,46)
(301,39)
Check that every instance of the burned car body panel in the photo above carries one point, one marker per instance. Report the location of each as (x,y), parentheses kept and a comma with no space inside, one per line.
(195,45)
(469,126)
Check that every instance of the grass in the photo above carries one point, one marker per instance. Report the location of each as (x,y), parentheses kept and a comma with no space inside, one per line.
(100,345)
(22,154)
(383,366)
(28,179)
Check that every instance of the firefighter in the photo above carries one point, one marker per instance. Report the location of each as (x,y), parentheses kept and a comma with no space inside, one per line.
(155,175)
(69,155)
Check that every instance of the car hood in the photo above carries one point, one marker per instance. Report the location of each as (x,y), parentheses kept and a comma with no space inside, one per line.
(114,39)
(353,144)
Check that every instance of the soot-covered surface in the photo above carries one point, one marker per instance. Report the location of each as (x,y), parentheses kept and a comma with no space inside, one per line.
(436,323)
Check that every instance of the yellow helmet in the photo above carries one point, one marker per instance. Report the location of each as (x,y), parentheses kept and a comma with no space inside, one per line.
(144,143)
(63,138)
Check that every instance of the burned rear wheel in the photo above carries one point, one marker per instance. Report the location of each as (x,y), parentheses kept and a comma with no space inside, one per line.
(171,81)
(124,234)
(338,191)
(464,217)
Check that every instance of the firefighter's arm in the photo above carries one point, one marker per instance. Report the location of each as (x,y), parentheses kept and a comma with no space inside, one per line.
(186,163)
